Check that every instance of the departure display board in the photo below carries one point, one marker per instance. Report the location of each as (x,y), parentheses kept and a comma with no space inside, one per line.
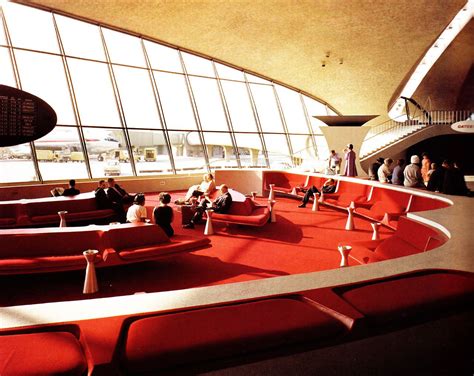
(23,117)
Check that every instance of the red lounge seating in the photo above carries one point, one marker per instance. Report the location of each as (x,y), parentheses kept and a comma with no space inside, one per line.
(79,209)
(44,211)
(410,237)
(46,249)
(285,182)
(407,296)
(346,193)
(8,214)
(146,242)
(211,333)
(244,213)
(44,353)
(382,211)
(41,250)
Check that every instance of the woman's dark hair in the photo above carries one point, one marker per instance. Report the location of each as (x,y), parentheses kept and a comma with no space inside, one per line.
(165,197)
(139,199)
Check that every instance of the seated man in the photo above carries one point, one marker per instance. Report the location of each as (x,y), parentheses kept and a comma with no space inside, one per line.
(329,186)
(104,202)
(117,194)
(220,205)
(72,190)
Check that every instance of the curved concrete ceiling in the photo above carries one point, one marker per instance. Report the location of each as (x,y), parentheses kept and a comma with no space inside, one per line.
(379,41)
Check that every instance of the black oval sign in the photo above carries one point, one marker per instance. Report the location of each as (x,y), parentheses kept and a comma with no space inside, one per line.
(23,117)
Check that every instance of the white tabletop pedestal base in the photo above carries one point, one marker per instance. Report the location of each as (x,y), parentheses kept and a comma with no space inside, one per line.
(375,227)
(271,204)
(208,230)
(90,282)
(350,219)
(315,201)
(344,250)
(62,218)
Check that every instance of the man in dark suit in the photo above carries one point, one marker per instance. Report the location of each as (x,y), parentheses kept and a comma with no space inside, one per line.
(220,205)
(117,194)
(72,190)
(104,202)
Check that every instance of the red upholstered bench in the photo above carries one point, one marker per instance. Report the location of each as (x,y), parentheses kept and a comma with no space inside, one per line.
(244,213)
(8,214)
(204,334)
(347,192)
(43,353)
(80,208)
(285,182)
(403,297)
(145,242)
(385,212)
(409,238)
(46,249)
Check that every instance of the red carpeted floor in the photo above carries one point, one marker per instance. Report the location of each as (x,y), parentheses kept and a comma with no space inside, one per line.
(300,241)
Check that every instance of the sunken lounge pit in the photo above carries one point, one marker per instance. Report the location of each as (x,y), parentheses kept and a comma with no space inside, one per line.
(246,294)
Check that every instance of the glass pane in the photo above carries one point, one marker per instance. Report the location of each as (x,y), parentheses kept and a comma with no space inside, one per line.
(209,104)
(230,73)
(150,152)
(94,93)
(258,80)
(60,155)
(304,153)
(138,100)
(267,108)
(43,75)
(108,154)
(124,48)
(188,152)
(331,112)
(238,103)
(80,39)
(250,150)
(293,110)
(6,69)
(322,147)
(315,108)
(3,38)
(16,164)
(198,65)
(278,152)
(174,97)
(31,28)
(163,58)
(220,150)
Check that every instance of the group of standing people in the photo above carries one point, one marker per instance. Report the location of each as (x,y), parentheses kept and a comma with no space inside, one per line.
(447,178)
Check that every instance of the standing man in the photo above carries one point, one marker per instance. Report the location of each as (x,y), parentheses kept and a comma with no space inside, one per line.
(350,157)
(334,162)
(220,205)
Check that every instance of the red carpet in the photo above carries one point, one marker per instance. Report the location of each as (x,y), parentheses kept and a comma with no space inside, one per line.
(300,241)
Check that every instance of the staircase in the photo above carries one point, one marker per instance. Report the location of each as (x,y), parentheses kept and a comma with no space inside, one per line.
(391,132)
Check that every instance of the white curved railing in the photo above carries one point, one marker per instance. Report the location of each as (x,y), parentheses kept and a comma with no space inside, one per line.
(392,131)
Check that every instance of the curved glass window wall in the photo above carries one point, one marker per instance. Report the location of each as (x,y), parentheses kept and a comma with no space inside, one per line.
(128,106)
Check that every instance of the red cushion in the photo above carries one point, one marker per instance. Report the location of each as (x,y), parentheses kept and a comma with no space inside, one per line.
(407,296)
(134,236)
(48,242)
(174,339)
(50,353)
(241,208)
(416,233)
(43,264)
(258,217)
(180,243)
